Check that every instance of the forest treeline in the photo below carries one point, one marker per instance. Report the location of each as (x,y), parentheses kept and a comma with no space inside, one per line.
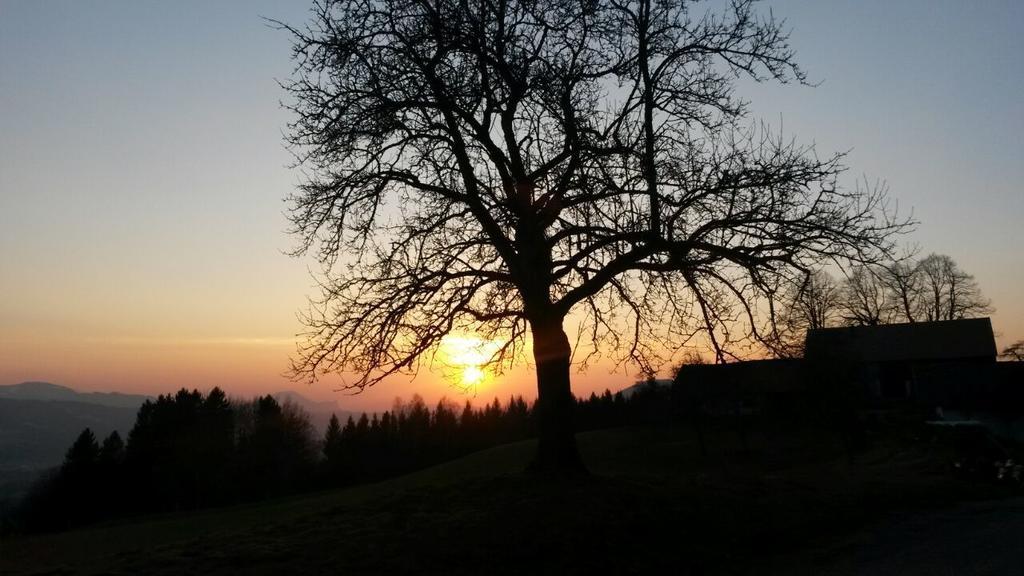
(191,450)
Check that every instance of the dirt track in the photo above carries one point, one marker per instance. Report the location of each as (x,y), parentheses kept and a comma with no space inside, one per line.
(982,538)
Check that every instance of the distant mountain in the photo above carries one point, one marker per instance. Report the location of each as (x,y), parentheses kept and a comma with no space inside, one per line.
(305,403)
(629,391)
(40,420)
(35,434)
(319,412)
(46,391)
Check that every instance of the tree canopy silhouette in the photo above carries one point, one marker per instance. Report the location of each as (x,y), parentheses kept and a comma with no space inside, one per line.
(866,300)
(931,289)
(811,304)
(947,292)
(1014,351)
(496,165)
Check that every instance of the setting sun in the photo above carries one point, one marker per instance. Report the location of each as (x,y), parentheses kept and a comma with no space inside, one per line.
(465,358)
(472,376)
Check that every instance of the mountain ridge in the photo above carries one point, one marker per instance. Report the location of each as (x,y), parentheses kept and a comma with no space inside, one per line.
(48,391)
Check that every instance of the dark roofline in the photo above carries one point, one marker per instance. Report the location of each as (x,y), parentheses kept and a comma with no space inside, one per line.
(977,322)
(945,339)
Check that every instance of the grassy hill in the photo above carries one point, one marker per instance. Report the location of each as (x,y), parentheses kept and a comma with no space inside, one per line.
(651,503)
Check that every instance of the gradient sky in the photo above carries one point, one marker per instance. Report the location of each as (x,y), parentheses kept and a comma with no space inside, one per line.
(142,173)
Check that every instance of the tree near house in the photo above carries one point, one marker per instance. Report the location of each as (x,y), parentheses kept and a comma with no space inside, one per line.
(902,280)
(865,300)
(1014,351)
(947,292)
(812,303)
(494,166)
(931,289)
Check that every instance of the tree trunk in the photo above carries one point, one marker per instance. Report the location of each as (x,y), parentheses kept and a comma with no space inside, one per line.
(556,441)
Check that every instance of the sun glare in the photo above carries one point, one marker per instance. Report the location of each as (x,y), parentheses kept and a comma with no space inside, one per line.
(464,359)
(472,376)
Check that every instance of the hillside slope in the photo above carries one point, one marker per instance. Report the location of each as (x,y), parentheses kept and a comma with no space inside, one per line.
(652,504)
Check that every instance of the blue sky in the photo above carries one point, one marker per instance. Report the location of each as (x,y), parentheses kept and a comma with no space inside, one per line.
(142,171)
(929,97)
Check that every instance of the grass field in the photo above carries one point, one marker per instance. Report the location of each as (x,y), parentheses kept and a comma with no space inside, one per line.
(651,504)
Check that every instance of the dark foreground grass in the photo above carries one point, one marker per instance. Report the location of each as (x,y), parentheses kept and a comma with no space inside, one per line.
(652,504)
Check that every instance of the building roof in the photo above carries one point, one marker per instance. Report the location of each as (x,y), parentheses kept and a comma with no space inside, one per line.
(920,341)
(774,375)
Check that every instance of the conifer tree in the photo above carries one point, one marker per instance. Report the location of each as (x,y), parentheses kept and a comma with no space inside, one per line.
(83,454)
(112,451)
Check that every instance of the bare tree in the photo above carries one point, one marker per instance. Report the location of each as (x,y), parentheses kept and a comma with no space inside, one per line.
(495,165)
(949,293)
(903,281)
(1014,351)
(865,299)
(809,305)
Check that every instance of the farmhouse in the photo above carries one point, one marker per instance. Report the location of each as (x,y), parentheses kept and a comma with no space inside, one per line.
(933,363)
(948,364)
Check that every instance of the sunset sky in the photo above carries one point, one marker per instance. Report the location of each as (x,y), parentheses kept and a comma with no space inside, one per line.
(143,171)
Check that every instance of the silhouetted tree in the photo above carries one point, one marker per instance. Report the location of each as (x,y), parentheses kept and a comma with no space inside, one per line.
(164,449)
(278,454)
(216,448)
(333,451)
(112,451)
(811,304)
(110,478)
(816,300)
(903,281)
(445,428)
(162,468)
(76,487)
(1014,351)
(332,437)
(473,166)
(83,454)
(865,300)
(949,293)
